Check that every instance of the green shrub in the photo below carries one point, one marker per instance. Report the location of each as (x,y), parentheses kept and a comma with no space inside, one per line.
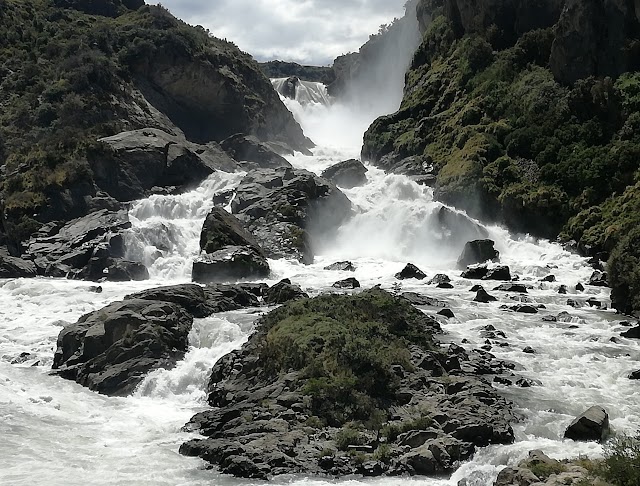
(349,436)
(622,461)
(544,470)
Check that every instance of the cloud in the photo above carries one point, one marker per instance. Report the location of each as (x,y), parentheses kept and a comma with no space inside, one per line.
(306,31)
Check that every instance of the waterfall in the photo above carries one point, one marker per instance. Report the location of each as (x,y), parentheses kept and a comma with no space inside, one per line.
(304,92)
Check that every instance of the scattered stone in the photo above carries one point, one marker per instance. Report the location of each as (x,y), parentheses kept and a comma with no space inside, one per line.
(482,272)
(478,251)
(95,288)
(411,271)
(548,278)
(484,297)
(573,303)
(563,290)
(579,287)
(347,283)
(524,383)
(502,381)
(521,288)
(230,263)
(439,279)
(348,174)
(529,350)
(448,313)
(593,302)
(592,425)
(598,279)
(525,309)
(282,292)
(341,267)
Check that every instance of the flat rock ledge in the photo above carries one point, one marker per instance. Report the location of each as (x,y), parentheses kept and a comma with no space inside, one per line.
(347,384)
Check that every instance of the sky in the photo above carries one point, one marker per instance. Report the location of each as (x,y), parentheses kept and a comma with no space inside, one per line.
(310,32)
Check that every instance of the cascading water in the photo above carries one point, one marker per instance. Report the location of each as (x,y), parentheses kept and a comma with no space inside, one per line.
(57,432)
(304,92)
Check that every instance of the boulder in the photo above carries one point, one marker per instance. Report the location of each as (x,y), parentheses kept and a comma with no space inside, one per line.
(411,271)
(525,309)
(484,297)
(439,279)
(592,425)
(283,291)
(112,270)
(548,278)
(634,375)
(341,267)
(348,174)
(456,226)
(111,350)
(478,251)
(224,298)
(247,148)
(284,208)
(230,263)
(347,283)
(448,313)
(598,279)
(579,287)
(483,272)
(134,162)
(190,296)
(520,288)
(419,299)
(221,229)
(11,267)
(633,333)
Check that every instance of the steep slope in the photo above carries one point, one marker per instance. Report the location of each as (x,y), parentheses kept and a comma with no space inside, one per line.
(74,71)
(529,113)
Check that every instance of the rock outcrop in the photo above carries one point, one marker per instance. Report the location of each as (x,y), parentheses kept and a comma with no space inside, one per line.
(411,271)
(348,174)
(246,148)
(231,263)
(271,416)
(592,425)
(478,251)
(282,207)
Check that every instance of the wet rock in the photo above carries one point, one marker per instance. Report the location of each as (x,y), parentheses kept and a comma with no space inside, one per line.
(348,174)
(633,333)
(190,296)
(111,350)
(478,251)
(448,313)
(341,267)
(445,286)
(282,292)
(419,299)
(221,229)
(484,297)
(283,208)
(112,270)
(593,302)
(525,309)
(579,287)
(548,278)
(483,272)
(95,288)
(598,279)
(11,267)
(476,287)
(592,425)
(248,148)
(347,283)
(529,350)
(230,263)
(573,303)
(634,375)
(562,290)
(439,279)
(411,271)
(521,288)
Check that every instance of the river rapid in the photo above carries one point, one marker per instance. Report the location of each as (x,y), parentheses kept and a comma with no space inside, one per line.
(56,432)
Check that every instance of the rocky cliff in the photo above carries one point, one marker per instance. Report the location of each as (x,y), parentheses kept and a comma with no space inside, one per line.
(76,71)
(528,114)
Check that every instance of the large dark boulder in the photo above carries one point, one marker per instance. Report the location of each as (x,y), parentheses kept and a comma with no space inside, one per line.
(484,272)
(633,333)
(411,271)
(247,148)
(136,161)
(284,291)
(478,251)
(221,229)
(111,350)
(592,425)
(91,248)
(11,267)
(228,264)
(284,209)
(348,174)
(190,296)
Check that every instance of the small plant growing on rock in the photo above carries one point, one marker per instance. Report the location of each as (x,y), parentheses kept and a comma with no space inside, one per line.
(348,436)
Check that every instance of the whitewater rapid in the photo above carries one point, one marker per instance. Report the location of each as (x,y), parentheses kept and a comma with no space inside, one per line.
(59,433)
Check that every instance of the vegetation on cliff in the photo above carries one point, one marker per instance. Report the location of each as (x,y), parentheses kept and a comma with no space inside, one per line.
(511,139)
(72,71)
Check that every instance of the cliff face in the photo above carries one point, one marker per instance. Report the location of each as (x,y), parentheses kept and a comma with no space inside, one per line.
(75,71)
(529,113)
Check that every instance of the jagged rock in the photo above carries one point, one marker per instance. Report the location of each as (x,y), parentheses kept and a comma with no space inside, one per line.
(529,350)
(221,229)
(444,286)
(230,263)
(282,207)
(592,425)
(348,174)
(562,290)
(483,272)
(439,279)
(484,297)
(634,375)
(478,251)
(11,267)
(525,309)
(411,271)
(111,269)
(520,288)
(598,279)
(224,298)
(282,292)
(548,278)
(476,287)
(347,283)
(448,313)
(139,160)
(247,148)
(341,267)
(579,287)
(190,296)
(593,302)
(110,350)
(633,333)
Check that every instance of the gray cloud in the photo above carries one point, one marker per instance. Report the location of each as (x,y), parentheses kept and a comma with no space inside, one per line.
(306,31)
